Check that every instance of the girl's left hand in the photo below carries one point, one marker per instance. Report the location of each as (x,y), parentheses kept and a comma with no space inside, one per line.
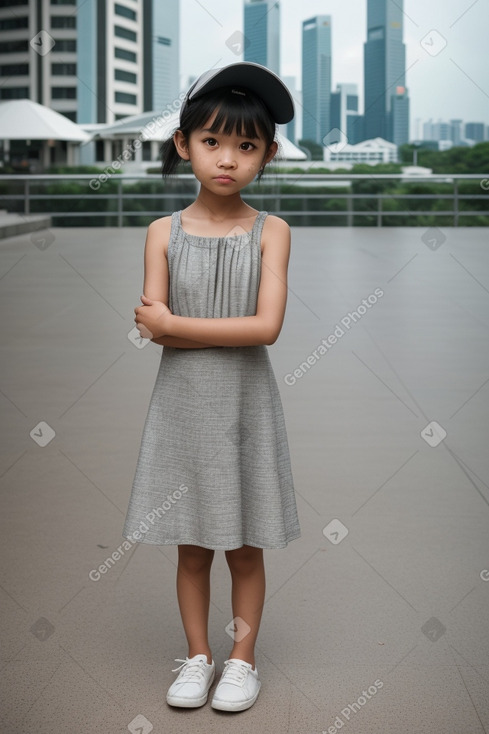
(151,318)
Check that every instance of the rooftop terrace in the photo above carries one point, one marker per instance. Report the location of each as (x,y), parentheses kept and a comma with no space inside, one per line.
(376,618)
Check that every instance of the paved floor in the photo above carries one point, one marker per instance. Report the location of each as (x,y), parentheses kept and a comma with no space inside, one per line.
(376,619)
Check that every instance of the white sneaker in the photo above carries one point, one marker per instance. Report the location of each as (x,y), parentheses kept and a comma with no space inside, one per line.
(238,688)
(191,688)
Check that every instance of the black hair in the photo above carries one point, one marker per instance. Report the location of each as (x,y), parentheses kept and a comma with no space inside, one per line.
(238,109)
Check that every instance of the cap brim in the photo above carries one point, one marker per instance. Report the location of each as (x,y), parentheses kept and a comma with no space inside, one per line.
(260,80)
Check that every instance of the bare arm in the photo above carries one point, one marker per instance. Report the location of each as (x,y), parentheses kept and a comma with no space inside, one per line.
(262,328)
(156,278)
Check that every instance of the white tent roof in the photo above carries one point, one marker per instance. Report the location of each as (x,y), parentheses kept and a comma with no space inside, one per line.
(158,127)
(23,119)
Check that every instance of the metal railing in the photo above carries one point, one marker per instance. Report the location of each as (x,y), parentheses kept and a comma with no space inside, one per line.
(180,190)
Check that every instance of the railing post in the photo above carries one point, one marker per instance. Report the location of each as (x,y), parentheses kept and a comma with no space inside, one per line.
(349,204)
(27,203)
(455,203)
(119,201)
(379,211)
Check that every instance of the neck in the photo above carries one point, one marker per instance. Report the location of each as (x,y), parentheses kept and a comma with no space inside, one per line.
(219,207)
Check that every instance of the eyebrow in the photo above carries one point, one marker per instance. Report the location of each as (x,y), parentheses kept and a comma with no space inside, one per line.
(248,137)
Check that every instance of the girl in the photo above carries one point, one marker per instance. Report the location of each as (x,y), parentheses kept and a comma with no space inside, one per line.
(213,471)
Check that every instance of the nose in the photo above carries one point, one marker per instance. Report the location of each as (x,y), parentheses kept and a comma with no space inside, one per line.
(227,159)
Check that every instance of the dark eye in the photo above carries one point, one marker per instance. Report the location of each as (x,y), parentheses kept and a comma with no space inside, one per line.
(211,142)
(248,146)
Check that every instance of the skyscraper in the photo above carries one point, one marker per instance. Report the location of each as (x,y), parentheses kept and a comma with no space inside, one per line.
(134,52)
(262,33)
(90,60)
(109,51)
(290,129)
(386,96)
(345,116)
(161,61)
(475,131)
(316,78)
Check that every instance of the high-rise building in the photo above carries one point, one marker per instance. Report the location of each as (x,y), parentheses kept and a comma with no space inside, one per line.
(262,33)
(110,60)
(399,116)
(453,132)
(316,78)
(161,62)
(38,59)
(475,131)
(436,130)
(442,131)
(386,96)
(90,60)
(290,129)
(345,115)
(428,130)
(456,131)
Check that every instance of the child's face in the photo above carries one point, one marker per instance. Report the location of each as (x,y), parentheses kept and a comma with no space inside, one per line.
(223,163)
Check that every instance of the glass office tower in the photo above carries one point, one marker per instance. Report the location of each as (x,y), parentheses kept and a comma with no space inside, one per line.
(316,78)
(262,33)
(386,96)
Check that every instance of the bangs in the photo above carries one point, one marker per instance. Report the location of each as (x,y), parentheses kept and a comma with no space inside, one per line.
(230,119)
(241,112)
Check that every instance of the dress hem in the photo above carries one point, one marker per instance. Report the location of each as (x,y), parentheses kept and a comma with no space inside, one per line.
(215,547)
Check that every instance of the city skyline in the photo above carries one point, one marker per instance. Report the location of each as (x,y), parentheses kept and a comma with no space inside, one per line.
(443,81)
(139,67)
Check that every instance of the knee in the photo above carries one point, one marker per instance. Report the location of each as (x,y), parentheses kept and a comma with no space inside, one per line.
(193,560)
(245,560)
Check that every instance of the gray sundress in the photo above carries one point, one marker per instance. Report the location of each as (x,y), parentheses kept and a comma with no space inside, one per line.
(214,467)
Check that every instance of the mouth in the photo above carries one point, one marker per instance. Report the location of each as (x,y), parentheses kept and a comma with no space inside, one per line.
(223,178)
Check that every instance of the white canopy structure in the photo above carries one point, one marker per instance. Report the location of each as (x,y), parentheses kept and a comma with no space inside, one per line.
(48,137)
(23,119)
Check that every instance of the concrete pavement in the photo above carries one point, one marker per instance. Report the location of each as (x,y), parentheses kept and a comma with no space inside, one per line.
(376,619)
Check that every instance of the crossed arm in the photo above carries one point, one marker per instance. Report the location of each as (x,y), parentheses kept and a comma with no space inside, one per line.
(154,319)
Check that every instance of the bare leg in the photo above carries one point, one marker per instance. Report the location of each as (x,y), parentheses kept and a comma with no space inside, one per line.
(248,596)
(193,592)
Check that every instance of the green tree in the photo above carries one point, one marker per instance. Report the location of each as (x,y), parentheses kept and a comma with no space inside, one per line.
(456,160)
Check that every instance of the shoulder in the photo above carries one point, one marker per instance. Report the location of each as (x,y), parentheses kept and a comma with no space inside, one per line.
(161,225)
(158,233)
(276,225)
(275,233)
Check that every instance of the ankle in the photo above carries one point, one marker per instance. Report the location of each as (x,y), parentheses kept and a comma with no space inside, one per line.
(243,656)
(207,653)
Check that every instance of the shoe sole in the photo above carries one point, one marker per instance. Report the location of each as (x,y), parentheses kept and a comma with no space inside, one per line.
(187,703)
(190,703)
(232,706)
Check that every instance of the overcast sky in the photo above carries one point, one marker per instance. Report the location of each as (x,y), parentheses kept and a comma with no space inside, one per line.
(454,83)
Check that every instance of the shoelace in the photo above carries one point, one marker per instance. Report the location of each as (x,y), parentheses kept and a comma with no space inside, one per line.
(234,673)
(190,670)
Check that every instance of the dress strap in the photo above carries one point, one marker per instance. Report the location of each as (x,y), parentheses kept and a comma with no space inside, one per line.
(176,223)
(174,233)
(258,225)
